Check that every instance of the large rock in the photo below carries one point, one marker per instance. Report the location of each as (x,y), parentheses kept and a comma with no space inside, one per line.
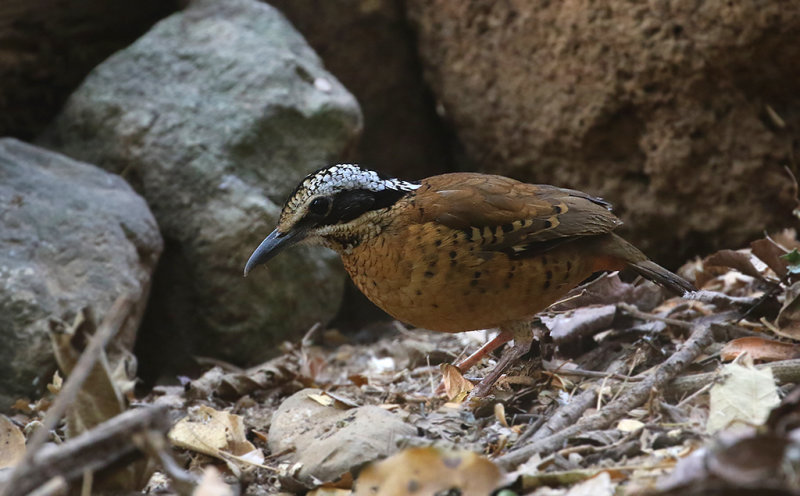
(49,46)
(72,236)
(215,115)
(672,110)
(369,46)
(327,442)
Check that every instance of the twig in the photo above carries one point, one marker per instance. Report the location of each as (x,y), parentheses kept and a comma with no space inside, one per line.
(595,374)
(561,418)
(635,312)
(722,300)
(91,451)
(638,394)
(112,322)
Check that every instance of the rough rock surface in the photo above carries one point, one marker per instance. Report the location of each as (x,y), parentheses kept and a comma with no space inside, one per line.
(369,46)
(672,110)
(49,46)
(72,236)
(215,115)
(329,442)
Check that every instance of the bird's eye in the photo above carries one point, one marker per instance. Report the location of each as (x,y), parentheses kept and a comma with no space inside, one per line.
(320,206)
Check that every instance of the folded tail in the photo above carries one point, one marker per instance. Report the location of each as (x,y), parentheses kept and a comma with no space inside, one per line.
(614,246)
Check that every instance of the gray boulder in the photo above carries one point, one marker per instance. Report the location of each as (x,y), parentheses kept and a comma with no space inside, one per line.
(215,115)
(72,236)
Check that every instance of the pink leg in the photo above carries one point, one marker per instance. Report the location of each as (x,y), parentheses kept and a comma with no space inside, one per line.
(523,338)
(470,361)
(476,357)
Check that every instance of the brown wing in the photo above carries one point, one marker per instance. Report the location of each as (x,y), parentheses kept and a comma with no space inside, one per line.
(508,215)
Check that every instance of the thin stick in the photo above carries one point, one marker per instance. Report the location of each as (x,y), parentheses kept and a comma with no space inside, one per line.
(635,312)
(638,394)
(112,322)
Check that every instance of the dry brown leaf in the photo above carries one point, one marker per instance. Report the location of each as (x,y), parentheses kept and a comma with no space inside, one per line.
(12,443)
(737,260)
(455,385)
(761,349)
(770,253)
(418,471)
(215,433)
(788,321)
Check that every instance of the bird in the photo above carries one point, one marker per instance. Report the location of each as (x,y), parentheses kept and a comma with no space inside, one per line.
(459,251)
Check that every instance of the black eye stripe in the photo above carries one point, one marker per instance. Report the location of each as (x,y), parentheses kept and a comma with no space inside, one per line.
(320,206)
(348,205)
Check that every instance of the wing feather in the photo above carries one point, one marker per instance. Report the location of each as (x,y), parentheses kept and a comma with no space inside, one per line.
(510,215)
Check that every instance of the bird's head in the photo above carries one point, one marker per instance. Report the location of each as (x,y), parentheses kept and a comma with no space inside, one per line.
(336,206)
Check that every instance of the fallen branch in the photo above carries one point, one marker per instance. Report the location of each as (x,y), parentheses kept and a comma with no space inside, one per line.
(786,371)
(701,337)
(91,451)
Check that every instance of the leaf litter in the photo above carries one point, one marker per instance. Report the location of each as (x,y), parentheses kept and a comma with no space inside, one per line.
(711,427)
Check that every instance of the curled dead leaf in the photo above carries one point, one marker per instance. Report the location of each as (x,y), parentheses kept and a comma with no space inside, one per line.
(215,433)
(455,385)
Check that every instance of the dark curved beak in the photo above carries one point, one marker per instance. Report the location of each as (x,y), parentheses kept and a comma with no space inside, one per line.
(271,246)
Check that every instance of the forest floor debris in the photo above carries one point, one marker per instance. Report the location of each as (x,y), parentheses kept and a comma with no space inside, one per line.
(628,392)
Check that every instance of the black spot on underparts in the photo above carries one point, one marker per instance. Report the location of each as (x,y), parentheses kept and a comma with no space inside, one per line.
(557,209)
(347,241)
(508,227)
(435,305)
(477,274)
(453,254)
(468,234)
(548,224)
(348,205)
(419,293)
(438,242)
(428,273)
